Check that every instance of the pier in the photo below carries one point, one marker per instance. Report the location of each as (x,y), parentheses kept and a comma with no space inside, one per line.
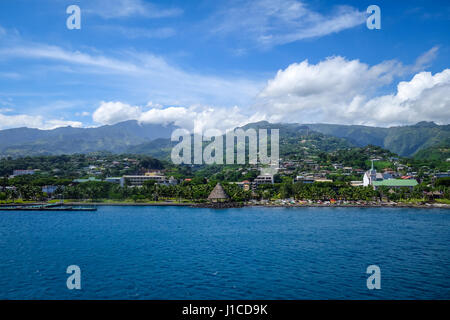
(46,207)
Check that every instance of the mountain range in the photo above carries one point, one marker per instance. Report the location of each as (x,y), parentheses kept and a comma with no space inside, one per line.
(67,140)
(423,140)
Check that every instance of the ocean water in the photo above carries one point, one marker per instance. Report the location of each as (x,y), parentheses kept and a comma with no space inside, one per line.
(246,253)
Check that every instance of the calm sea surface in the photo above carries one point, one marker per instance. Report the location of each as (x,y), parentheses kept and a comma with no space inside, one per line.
(247,253)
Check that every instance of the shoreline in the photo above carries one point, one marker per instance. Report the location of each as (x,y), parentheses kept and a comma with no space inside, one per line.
(275,205)
(200,205)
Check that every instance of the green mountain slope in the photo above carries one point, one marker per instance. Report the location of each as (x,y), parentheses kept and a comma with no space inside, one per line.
(439,152)
(404,140)
(295,141)
(425,139)
(115,138)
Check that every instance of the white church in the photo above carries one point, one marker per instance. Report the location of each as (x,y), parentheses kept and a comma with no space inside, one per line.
(376,180)
(370,176)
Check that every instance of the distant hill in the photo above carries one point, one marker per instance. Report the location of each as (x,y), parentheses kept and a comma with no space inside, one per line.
(404,140)
(295,140)
(298,138)
(160,148)
(113,138)
(424,140)
(440,152)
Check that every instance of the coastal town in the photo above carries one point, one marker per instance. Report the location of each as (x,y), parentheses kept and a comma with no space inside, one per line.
(380,179)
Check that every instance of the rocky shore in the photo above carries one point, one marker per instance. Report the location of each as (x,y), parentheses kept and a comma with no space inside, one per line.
(226,205)
(219,205)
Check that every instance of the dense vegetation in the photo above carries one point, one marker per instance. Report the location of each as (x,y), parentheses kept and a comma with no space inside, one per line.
(196,182)
(72,165)
(405,140)
(198,190)
(425,140)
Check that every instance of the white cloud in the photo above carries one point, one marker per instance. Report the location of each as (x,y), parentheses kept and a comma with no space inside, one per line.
(38,51)
(424,97)
(198,117)
(147,74)
(151,104)
(276,22)
(334,90)
(22,120)
(113,112)
(338,90)
(127,8)
(330,83)
(425,59)
(55,123)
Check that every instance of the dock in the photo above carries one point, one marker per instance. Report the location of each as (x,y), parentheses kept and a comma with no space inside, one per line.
(46,207)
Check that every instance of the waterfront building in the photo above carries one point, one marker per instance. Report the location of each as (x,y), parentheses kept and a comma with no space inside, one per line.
(137,181)
(264,178)
(323,180)
(245,185)
(90,179)
(370,176)
(376,179)
(113,179)
(395,183)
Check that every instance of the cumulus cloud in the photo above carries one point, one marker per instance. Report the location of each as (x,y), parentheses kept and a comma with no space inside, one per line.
(304,91)
(195,117)
(113,112)
(338,90)
(56,123)
(424,97)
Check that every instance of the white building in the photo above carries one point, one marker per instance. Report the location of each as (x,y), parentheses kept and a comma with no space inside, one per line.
(139,180)
(369,176)
(264,178)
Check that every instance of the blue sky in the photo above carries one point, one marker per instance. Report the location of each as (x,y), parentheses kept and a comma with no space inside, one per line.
(218,64)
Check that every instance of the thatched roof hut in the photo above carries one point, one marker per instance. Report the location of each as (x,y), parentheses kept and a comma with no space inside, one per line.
(218,194)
